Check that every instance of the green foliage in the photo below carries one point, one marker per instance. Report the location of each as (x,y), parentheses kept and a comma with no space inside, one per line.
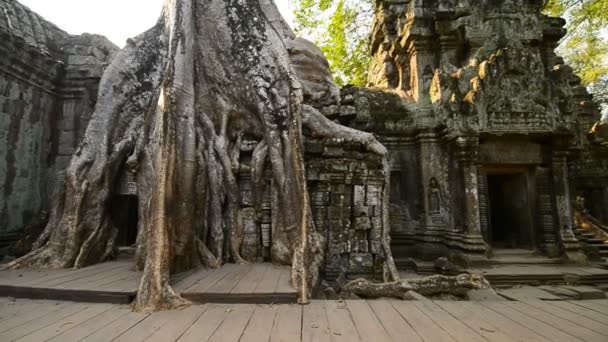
(339,28)
(584,47)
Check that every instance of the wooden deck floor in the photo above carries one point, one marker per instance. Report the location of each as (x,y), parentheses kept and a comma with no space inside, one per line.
(350,321)
(116,282)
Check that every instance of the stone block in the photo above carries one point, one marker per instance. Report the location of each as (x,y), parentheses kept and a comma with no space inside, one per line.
(361,260)
(333,151)
(336,225)
(375,234)
(359,211)
(363,223)
(265,228)
(246,198)
(360,246)
(359,195)
(319,198)
(250,226)
(83,60)
(335,213)
(375,247)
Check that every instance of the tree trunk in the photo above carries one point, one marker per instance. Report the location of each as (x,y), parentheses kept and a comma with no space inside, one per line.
(173,107)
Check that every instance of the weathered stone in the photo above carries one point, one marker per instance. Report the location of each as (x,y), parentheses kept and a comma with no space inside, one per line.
(47,107)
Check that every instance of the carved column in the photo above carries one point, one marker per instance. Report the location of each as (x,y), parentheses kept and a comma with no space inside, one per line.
(434,190)
(422,67)
(483,203)
(561,190)
(546,212)
(467,160)
(434,181)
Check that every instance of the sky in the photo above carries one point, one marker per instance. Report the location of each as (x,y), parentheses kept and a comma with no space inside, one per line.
(115,19)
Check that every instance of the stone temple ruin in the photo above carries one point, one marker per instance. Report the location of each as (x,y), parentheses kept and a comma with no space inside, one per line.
(487,130)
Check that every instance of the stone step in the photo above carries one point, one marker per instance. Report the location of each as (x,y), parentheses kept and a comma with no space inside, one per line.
(600,246)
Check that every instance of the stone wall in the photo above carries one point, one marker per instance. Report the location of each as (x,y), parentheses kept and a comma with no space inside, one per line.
(48,90)
(346,186)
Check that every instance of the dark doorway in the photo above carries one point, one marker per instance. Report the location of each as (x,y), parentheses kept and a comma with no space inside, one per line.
(125,217)
(510,216)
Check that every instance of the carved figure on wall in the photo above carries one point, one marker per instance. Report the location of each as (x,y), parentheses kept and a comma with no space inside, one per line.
(434,196)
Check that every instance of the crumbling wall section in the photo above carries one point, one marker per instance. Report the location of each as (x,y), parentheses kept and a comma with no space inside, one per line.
(48,90)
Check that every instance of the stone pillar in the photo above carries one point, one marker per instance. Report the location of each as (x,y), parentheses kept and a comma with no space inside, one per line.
(422,67)
(434,181)
(561,187)
(546,212)
(473,241)
(604,217)
(433,225)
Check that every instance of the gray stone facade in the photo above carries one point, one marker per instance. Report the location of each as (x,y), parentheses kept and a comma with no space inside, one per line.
(493,130)
(48,89)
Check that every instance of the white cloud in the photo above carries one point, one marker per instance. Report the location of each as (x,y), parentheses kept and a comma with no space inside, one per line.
(115,19)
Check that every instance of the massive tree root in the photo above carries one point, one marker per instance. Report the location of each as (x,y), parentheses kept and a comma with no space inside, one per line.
(173,107)
(429,286)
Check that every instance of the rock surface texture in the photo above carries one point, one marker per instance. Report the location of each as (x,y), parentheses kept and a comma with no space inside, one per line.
(48,90)
(489,138)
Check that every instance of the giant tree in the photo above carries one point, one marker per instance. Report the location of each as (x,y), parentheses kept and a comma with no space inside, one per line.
(173,108)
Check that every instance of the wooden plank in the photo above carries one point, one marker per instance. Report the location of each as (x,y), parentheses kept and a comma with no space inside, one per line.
(194,277)
(540,327)
(424,326)
(570,316)
(269,283)
(563,324)
(340,322)
(66,323)
(211,279)
(129,284)
(22,307)
(287,324)
(206,325)
(234,324)
(251,279)
(62,275)
(92,282)
(474,321)
(505,324)
(145,328)
(41,322)
(315,327)
(226,284)
(398,328)
(180,321)
(126,280)
(458,330)
(117,327)
(579,310)
(22,276)
(72,281)
(31,312)
(366,322)
(92,325)
(284,282)
(260,324)
(591,305)
(603,302)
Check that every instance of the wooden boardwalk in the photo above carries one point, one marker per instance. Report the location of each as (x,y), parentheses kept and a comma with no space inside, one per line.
(116,282)
(381,320)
